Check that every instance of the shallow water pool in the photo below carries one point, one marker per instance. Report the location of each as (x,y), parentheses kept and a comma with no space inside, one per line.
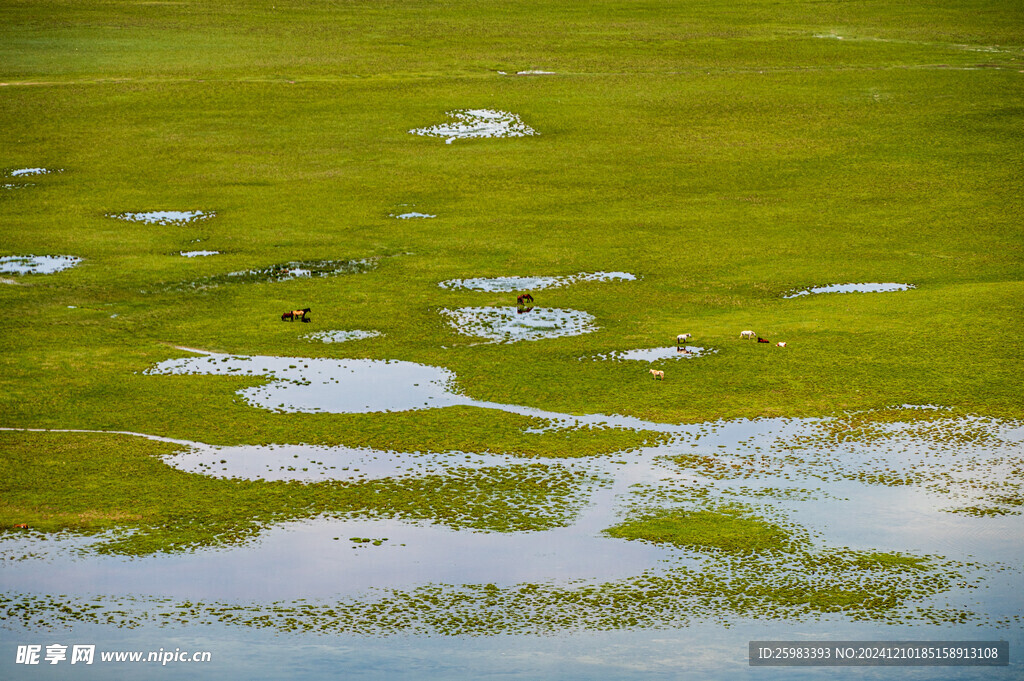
(37,264)
(510,325)
(165,217)
(479,123)
(852,288)
(531,283)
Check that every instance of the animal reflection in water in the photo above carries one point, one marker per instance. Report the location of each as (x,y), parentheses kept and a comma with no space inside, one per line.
(296,314)
(521,310)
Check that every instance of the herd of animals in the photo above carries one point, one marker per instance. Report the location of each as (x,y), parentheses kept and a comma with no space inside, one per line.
(659,375)
(525,298)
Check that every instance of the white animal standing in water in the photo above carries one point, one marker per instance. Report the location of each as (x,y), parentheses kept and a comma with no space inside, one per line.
(748,334)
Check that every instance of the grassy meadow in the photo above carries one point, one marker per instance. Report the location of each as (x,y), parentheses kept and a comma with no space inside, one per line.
(724,153)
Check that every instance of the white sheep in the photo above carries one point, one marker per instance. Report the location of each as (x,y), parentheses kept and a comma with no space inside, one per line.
(683,337)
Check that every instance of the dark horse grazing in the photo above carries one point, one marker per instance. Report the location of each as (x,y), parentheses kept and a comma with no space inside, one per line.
(526,297)
(762,340)
(295,314)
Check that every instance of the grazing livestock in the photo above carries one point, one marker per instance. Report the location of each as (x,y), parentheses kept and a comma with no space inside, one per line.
(295,314)
(781,344)
(22,526)
(683,337)
(762,340)
(748,334)
(658,374)
(523,299)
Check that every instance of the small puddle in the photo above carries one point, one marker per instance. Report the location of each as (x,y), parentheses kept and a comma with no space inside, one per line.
(532,283)
(509,324)
(165,217)
(198,254)
(852,288)
(535,73)
(655,354)
(28,172)
(342,336)
(412,216)
(470,123)
(37,264)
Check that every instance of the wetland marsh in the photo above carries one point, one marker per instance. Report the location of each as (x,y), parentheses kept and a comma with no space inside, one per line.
(429,480)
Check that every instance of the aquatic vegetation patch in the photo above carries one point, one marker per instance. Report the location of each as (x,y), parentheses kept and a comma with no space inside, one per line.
(531,283)
(861,586)
(509,325)
(165,217)
(851,288)
(469,123)
(727,528)
(342,336)
(37,264)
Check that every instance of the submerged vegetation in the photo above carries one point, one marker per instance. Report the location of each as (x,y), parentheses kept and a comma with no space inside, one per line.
(802,587)
(53,482)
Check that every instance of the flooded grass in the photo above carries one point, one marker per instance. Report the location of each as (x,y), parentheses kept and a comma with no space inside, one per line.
(296,269)
(477,123)
(342,336)
(198,254)
(181,511)
(753,159)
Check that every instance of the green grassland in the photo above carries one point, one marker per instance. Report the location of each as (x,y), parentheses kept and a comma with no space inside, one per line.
(723,152)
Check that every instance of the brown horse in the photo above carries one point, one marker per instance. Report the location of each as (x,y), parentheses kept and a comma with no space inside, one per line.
(523,299)
(295,314)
